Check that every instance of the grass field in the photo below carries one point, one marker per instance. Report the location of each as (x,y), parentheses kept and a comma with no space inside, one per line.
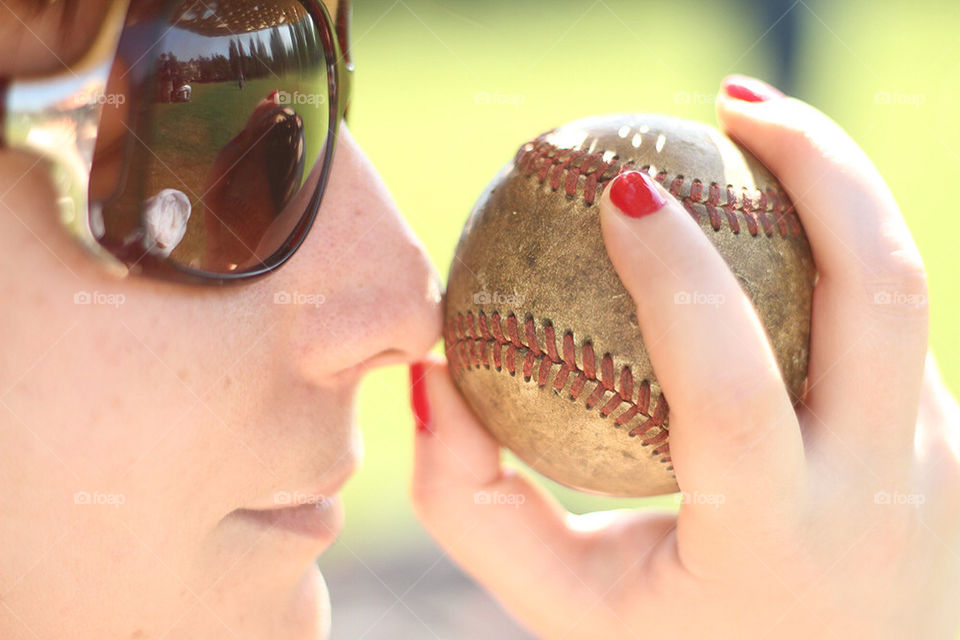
(188,134)
(445,92)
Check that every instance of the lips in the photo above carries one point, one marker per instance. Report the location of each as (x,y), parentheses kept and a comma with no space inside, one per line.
(315,514)
(320,520)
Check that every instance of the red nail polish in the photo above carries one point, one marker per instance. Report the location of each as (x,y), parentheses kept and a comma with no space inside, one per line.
(418,398)
(749,89)
(634,193)
(273,95)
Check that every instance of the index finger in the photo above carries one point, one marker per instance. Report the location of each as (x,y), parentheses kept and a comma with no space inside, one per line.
(733,431)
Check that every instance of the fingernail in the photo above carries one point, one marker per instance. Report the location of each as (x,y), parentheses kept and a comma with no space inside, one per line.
(418,398)
(273,95)
(749,89)
(634,193)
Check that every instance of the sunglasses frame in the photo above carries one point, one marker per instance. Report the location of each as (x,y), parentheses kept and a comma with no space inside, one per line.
(66,138)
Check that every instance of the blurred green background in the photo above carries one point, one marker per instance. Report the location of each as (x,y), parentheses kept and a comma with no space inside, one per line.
(446,91)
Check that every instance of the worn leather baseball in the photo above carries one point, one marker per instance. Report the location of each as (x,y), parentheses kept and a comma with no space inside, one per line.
(542,338)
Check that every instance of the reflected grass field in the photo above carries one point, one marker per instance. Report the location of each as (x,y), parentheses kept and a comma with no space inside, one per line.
(189,139)
(215,114)
(203,122)
(444,94)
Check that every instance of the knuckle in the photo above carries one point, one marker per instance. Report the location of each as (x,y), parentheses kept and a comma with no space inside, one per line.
(679,265)
(425,500)
(897,537)
(804,131)
(743,410)
(898,260)
(942,459)
(896,285)
(438,503)
(798,139)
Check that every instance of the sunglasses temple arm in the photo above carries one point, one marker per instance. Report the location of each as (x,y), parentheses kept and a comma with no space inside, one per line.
(57,117)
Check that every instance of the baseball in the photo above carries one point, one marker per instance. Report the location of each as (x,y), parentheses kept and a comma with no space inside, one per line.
(542,338)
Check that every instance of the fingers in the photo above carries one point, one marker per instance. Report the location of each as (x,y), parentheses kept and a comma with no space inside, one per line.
(499,526)
(733,430)
(869,331)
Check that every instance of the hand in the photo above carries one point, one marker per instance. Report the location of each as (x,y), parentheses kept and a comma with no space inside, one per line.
(836,518)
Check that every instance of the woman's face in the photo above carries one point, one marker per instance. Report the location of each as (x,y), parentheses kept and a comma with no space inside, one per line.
(149,437)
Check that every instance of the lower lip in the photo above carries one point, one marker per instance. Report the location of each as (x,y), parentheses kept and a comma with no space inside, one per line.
(319,521)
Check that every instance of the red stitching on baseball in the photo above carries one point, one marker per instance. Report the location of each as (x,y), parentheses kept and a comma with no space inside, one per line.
(566,166)
(468,340)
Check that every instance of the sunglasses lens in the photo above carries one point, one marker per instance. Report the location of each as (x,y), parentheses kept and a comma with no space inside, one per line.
(213,158)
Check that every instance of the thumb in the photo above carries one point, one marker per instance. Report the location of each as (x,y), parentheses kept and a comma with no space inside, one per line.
(501,527)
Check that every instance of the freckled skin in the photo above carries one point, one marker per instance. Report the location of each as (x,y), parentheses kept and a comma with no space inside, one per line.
(180,405)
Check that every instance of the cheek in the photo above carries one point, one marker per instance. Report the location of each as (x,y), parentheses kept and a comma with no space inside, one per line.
(106,382)
(138,391)
(100,446)
(95,372)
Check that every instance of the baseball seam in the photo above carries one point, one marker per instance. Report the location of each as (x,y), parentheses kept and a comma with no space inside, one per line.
(474,342)
(576,170)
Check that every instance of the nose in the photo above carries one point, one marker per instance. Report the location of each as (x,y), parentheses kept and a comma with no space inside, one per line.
(373,296)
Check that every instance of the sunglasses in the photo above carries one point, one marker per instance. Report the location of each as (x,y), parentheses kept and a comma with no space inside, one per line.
(194,139)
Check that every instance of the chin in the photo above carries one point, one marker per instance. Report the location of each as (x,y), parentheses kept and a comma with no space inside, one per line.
(310,608)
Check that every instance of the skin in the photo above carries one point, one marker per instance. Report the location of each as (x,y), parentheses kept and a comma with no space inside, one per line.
(184,406)
(837,519)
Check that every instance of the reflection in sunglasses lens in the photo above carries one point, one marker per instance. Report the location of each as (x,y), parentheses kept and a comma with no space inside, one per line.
(215,162)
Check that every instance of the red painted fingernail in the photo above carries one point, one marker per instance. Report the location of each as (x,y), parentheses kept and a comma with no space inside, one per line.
(418,398)
(749,89)
(634,193)
(273,95)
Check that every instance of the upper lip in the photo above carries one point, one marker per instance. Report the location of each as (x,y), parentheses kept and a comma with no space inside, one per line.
(286,498)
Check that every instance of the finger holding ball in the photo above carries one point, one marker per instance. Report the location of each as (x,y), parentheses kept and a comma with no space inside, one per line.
(731,420)
(542,337)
